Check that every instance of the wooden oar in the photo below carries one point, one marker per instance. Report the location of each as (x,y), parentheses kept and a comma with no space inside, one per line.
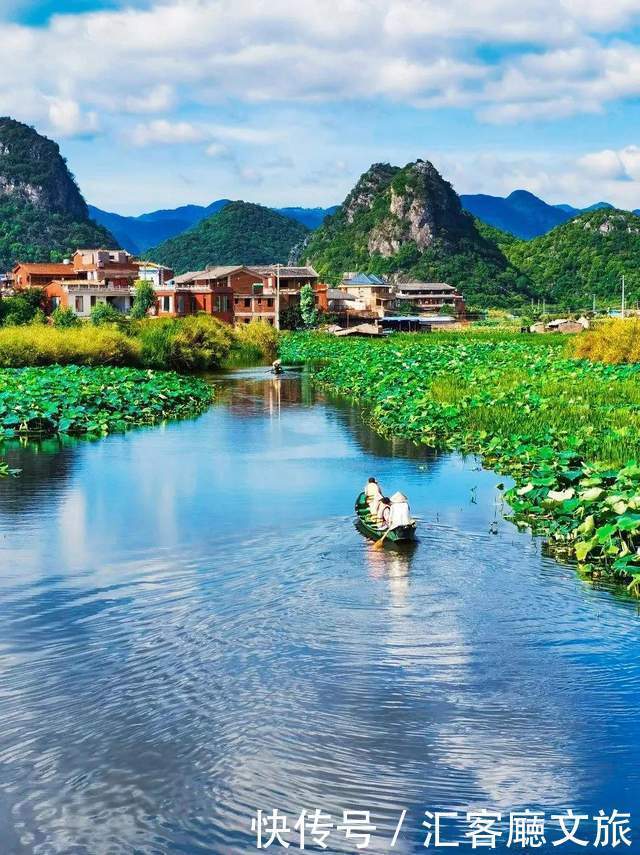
(378,543)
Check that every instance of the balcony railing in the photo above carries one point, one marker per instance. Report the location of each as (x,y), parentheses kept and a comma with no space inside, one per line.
(100,287)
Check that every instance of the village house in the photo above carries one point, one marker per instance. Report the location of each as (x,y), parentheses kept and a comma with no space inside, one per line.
(39,275)
(157,274)
(255,295)
(430,297)
(91,276)
(235,293)
(208,291)
(101,276)
(110,267)
(373,293)
(232,293)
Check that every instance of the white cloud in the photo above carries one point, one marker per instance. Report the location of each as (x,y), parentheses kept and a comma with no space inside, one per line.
(421,52)
(217,150)
(605,164)
(158,99)
(165,132)
(609,175)
(67,119)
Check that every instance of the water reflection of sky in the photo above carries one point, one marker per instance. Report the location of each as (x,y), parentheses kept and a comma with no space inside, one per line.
(192,628)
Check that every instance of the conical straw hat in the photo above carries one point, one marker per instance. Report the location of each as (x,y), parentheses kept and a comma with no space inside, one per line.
(398,497)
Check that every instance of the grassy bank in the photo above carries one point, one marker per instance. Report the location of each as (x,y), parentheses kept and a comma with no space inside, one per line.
(82,400)
(195,343)
(567,430)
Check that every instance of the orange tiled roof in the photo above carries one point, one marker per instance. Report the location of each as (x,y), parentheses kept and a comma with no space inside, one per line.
(44,267)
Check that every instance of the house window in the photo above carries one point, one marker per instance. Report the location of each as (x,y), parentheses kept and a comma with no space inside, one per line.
(166,304)
(79,305)
(247,320)
(257,287)
(55,302)
(222,303)
(180,309)
(92,300)
(247,302)
(270,302)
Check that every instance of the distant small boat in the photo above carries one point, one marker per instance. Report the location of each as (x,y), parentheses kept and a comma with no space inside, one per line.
(368,526)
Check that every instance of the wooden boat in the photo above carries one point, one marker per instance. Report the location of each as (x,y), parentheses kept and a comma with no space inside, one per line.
(369,527)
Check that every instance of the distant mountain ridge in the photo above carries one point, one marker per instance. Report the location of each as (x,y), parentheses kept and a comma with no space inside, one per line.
(520,213)
(138,234)
(524,214)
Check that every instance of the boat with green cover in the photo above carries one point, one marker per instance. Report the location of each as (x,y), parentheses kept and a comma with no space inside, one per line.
(369,527)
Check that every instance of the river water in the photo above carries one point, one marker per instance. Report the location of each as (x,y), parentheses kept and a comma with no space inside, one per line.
(192,630)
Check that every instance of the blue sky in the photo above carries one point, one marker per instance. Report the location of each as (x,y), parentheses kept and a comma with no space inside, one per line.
(157,104)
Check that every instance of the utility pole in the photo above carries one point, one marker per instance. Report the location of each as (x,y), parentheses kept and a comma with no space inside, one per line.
(622,307)
(594,304)
(277,318)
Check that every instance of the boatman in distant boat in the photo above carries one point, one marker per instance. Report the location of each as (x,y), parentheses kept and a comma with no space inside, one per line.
(400,514)
(373,494)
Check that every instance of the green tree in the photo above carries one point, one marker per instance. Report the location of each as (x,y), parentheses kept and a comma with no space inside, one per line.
(18,310)
(291,318)
(144,299)
(105,313)
(308,306)
(64,317)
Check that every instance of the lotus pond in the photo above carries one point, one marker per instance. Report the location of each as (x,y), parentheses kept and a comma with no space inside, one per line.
(566,430)
(81,400)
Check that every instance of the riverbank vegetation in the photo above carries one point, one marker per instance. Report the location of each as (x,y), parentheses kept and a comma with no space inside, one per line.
(96,401)
(566,429)
(194,343)
(614,341)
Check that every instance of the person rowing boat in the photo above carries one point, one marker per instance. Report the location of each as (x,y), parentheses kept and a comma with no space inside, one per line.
(391,519)
(373,494)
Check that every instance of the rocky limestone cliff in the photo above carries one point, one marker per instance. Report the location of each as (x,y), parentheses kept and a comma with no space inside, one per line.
(409,222)
(32,170)
(421,205)
(375,180)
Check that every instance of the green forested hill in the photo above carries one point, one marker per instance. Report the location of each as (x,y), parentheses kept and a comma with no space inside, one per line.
(29,233)
(586,256)
(43,216)
(409,222)
(241,233)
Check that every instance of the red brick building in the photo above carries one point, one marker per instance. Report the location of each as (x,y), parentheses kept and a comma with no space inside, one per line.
(40,275)
(255,293)
(236,294)
(210,291)
(92,276)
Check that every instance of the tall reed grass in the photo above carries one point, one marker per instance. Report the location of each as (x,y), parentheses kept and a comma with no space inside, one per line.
(194,343)
(45,345)
(615,341)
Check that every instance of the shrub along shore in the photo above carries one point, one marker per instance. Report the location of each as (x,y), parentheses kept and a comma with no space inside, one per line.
(567,430)
(194,343)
